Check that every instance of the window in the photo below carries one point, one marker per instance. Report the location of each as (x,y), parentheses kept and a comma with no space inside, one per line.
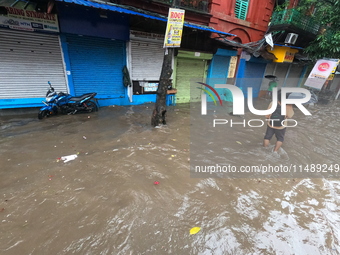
(241,9)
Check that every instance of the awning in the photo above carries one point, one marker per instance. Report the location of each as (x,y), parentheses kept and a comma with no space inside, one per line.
(134,11)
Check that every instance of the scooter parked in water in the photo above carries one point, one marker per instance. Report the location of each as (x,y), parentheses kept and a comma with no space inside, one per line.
(66,104)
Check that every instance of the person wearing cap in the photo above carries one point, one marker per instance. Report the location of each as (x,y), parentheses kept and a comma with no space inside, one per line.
(275,127)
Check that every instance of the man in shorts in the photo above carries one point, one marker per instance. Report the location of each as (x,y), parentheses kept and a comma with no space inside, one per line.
(278,130)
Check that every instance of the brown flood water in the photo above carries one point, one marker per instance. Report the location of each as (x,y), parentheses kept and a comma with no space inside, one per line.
(105,200)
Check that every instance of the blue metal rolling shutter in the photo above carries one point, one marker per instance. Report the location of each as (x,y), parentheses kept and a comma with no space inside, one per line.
(96,65)
(219,73)
(253,76)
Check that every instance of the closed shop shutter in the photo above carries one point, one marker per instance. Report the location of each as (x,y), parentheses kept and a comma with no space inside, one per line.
(96,65)
(189,72)
(294,76)
(220,65)
(28,61)
(146,60)
(281,72)
(253,76)
(219,75)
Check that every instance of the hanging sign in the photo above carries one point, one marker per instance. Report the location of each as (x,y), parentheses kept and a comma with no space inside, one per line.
(283,54)
(320,73)
(174,28)
(20,19)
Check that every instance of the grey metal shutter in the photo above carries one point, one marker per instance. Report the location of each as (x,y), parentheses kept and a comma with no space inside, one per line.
(277,69)
(28,61)
(146,60)
(294,76)
(281,72)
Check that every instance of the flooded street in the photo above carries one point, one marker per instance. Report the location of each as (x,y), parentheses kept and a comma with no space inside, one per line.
(130,190)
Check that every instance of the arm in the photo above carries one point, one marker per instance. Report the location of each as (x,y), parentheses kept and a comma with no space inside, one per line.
(289,111)
(268,115)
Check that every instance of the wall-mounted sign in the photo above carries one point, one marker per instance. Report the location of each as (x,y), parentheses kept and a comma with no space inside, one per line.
(146,35)
(232,67)
(174,28)
(320,73)
(283,54)
(150,86)
(20,19)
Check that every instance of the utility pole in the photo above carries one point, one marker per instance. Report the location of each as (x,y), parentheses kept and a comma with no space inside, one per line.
(159,112)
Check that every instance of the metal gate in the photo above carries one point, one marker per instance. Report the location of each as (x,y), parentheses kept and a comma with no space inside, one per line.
(97,65)
(253,76)
(146,60)
(189,72)
(28,61)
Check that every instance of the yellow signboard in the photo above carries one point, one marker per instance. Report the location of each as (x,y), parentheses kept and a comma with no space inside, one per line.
(174,28)
(330,77)
(283,54)
(334,69)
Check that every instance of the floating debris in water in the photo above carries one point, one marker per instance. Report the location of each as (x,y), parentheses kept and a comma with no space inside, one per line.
(69,158)
(194,230)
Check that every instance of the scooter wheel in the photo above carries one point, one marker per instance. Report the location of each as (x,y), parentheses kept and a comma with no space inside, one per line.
(43,114)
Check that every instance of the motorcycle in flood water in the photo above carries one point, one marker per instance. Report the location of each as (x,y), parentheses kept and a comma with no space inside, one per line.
(66,104)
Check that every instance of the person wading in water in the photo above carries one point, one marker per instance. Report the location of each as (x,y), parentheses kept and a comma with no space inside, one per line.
(275,121)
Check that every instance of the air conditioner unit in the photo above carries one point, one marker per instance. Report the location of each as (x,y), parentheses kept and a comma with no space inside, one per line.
(291,38)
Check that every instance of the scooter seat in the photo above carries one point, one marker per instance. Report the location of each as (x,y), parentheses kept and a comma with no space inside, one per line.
(82,97)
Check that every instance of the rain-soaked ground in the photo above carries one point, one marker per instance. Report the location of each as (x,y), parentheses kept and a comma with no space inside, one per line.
(129,191)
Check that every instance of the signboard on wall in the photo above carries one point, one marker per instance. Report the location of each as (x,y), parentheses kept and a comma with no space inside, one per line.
(232,67)
(174,28)
(134,34)
(283,54)
(20,19)
(150,86)
(320,73)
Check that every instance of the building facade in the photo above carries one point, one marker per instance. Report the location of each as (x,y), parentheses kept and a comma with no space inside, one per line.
(81,46)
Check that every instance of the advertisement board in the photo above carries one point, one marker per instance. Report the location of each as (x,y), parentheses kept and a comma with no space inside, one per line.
(174,28)
(320,73)
(20,19)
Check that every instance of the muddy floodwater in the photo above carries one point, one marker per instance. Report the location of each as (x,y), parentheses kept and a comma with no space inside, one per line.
(129,189)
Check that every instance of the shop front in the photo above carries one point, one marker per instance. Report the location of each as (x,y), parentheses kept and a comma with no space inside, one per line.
(250,73)
(94,48)
(30,56)
(289,73)
(222,70)
(146,55)
(191,67)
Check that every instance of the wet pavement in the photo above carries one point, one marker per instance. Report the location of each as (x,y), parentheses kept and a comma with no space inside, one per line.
(129,190)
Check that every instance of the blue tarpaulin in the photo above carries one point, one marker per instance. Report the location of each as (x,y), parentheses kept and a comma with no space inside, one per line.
(139,12)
